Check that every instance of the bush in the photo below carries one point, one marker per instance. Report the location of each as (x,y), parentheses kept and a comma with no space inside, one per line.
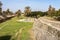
(58,18)
(36,14)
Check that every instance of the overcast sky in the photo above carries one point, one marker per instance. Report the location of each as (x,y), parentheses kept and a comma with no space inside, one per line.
(36,5)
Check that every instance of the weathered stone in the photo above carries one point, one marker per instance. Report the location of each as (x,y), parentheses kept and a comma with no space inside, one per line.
(46,30)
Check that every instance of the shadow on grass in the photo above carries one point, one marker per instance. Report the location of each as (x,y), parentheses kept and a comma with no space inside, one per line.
(6,37)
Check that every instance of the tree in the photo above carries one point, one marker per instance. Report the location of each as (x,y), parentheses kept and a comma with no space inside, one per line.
(27,11)
(4,14)
(58,13)
(18,13)
(51,11)
(8,12)
(0,8)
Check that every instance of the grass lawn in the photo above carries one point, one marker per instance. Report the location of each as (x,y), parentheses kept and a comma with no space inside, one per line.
(10,27)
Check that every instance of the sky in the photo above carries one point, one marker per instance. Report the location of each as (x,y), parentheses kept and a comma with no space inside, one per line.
(35,5)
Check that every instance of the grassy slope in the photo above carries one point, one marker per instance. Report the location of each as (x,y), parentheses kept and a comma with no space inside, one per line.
(12,26)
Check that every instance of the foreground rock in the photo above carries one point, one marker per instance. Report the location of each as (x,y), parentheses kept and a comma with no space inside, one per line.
(45,29)
(4,18)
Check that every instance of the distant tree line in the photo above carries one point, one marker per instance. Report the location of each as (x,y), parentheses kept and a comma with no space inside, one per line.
(28,13)
(52,12)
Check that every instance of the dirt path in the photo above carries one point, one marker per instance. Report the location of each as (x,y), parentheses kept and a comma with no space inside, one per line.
(17,36)
(31,31)
(31,34)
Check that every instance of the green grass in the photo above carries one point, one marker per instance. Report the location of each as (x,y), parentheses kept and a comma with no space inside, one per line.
(12,26)
(25,34)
